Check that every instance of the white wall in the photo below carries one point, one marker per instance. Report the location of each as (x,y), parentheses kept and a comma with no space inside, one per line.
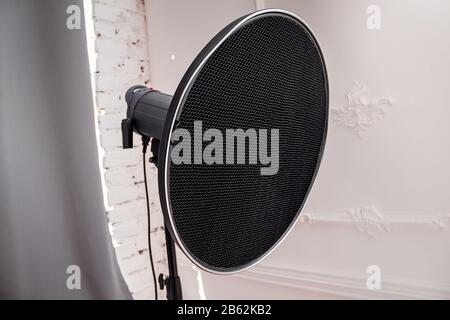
(179,29)
(382,193)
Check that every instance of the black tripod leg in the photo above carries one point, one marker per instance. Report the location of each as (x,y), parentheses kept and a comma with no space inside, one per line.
(172,282)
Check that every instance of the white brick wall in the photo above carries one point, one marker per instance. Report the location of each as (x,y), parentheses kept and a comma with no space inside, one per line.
(122,61)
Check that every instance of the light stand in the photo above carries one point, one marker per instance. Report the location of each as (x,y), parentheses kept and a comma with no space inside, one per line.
(146,113)
(172,282)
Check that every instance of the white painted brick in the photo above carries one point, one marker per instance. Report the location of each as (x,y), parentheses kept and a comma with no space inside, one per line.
(113,48)
(158,250)
(156,216)
(139,287)
(111,101)
(128,211)
(123,194)
(125,234)
(118,15)
(122,61)
(124,241)
(144,294)
(111,139)
(121,84)
(105,28)
(152,188)
(111,121)
(128,229)
(117,219)
(141,242)
(139,280)
(124,33)
(119,65)
(122,157)
(139,220)
(134,263)
(126,250)
(124,175)
(118,97)
(135,6)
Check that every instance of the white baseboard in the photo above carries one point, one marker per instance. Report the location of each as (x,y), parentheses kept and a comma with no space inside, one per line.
(346,284)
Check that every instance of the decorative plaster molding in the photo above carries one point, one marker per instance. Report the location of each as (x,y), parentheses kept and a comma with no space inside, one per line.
(359,112)
(346,284)
(371,221)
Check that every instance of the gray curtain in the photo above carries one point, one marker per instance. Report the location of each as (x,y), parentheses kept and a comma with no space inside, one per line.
(51,207)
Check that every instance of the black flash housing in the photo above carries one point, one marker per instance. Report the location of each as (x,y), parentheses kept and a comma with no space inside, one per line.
(146,113)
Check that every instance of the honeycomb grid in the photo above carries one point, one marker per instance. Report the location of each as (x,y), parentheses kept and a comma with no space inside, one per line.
(268,74)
